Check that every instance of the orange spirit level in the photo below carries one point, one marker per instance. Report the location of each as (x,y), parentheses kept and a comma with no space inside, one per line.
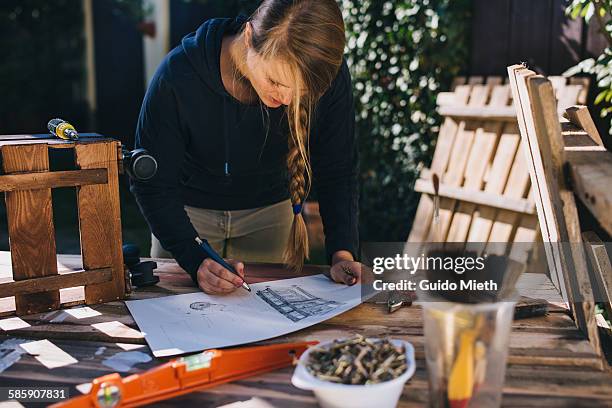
(186,374)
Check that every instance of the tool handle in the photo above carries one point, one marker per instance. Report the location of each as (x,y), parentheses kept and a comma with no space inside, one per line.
(212,254)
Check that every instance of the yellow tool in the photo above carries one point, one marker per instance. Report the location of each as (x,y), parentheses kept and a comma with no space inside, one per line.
(62,129)
(461,379)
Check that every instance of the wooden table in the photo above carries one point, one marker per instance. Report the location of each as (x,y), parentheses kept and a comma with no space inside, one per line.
(550,363)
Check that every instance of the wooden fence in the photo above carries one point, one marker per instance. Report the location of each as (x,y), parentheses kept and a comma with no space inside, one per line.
(536,32)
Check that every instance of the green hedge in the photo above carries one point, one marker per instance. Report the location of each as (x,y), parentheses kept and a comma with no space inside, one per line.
(401,53)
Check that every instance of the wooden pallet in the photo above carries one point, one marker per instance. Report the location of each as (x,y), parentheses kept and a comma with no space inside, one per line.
(27,183)
(485,191)
(549,154)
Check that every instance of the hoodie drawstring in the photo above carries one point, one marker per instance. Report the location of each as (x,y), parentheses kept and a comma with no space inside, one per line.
(226,132)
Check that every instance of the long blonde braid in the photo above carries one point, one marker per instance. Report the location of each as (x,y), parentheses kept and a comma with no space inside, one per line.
(309,36)
(298,164)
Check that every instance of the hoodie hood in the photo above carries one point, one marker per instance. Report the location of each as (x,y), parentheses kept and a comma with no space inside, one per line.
(203,49)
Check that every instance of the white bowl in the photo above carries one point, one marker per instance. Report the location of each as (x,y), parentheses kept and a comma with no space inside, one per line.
(333,395)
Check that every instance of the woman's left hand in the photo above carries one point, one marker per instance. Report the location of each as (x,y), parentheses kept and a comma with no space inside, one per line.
(345,269)
(348,272)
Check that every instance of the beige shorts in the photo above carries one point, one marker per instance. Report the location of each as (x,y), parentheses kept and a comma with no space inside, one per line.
(253,235)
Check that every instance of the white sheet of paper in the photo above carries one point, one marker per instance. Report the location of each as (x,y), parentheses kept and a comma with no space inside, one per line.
(82,312)
(198,321)
(13,323)
(129,346)
(118,329)
(48,354)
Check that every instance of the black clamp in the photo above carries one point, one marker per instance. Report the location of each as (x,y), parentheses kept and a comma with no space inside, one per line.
(141,273)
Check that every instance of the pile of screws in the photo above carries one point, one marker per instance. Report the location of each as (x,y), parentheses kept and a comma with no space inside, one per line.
(357,360)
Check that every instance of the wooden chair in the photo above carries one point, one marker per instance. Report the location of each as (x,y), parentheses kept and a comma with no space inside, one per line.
(554,157)
(485,191)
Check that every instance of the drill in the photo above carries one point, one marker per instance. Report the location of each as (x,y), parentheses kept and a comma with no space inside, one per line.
(62,129)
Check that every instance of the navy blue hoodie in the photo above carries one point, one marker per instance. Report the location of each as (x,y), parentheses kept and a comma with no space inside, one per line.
(217,153)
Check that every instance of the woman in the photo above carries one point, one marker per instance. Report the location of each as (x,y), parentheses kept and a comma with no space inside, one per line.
(241,116)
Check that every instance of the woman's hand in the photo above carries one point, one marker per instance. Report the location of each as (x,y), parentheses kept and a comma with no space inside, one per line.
(214,279)
(344,268)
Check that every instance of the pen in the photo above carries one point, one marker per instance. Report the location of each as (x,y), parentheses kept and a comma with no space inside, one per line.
(349,272)
(215,257)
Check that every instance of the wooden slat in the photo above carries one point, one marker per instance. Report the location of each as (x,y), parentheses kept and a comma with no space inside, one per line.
(30,226)
(565,216)
(55,282)
(590,173)
(422,219)
(485,140)
(501,113)
(448,133)
(601,269)
(477,197)
(444,145)
(455,171)
(512,227)
(69,178)
(518,179)
(525,229)
(495,182)
(518,75)
(542,186)
(503,171)
(580,116)
(526,232)
(100,222)
(576,138)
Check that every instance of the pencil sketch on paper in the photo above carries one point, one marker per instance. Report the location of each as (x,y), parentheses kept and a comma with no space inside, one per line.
(296,303)
(207,307)
(211,312)
(197,321)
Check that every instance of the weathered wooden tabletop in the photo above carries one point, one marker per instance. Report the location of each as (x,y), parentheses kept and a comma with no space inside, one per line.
(550,363)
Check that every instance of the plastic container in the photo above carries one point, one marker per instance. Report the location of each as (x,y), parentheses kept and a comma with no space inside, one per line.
(466,347)
(333,395)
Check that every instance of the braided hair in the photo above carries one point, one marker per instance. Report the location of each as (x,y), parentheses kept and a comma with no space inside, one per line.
(307,35)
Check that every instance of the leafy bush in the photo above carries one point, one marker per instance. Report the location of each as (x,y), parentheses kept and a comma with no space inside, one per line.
(401,53)
(601,67)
